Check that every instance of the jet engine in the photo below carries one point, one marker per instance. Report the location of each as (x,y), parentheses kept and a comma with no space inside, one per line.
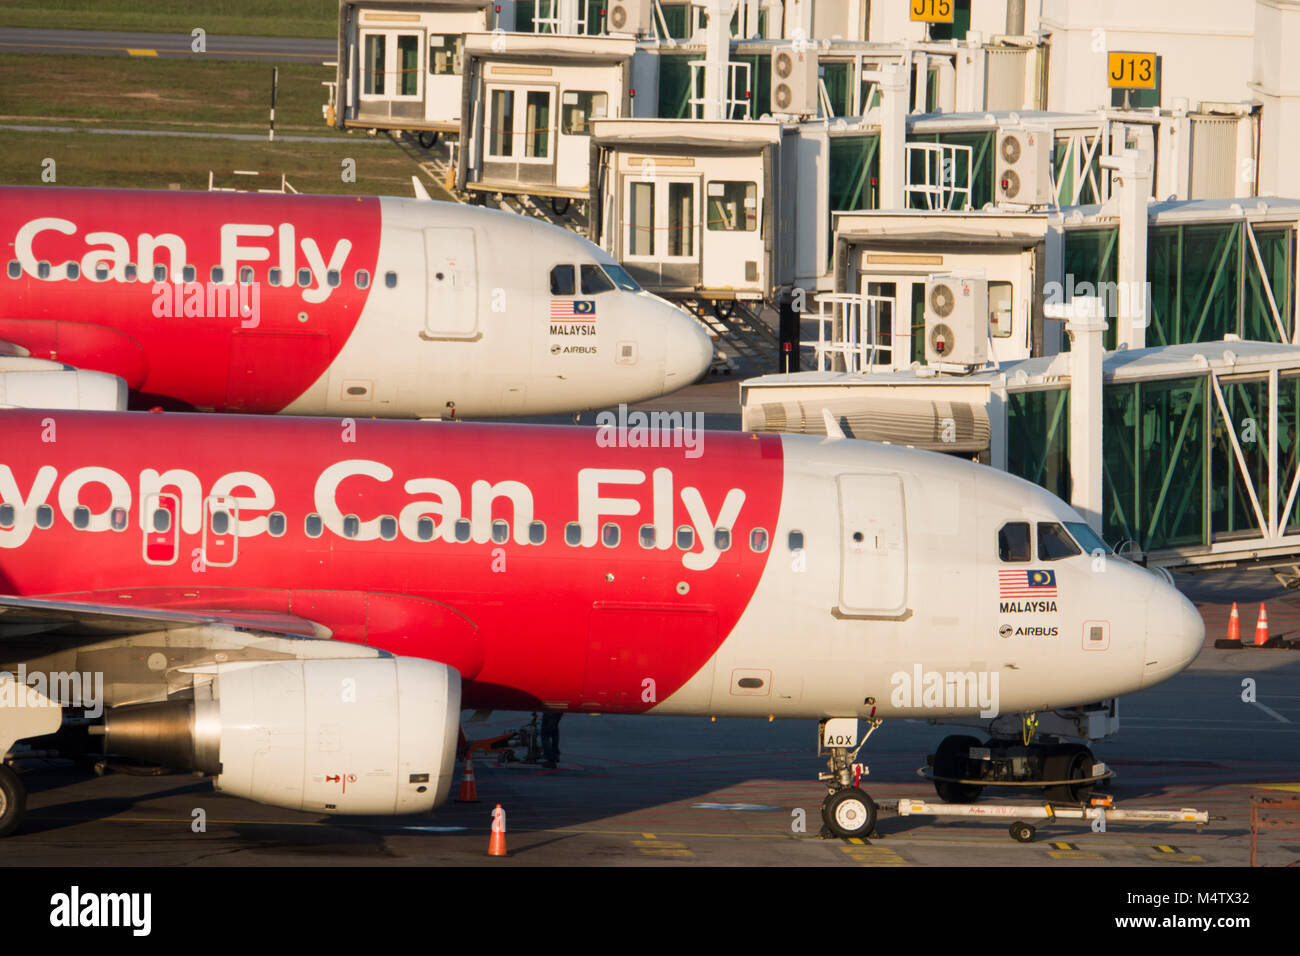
(371,736)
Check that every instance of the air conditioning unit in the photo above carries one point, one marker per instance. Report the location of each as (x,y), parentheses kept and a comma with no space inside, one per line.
(957,320)
(1024,167)
(794,80)
(628,16)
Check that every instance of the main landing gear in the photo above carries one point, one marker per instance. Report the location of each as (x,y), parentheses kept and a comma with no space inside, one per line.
(13,801)
(847,810)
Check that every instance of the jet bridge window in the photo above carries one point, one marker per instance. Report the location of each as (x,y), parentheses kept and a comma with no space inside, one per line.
(444,55)
(578,108)
(1013,542)
(1054,543)
(376,47)
(562,280)
(732,206)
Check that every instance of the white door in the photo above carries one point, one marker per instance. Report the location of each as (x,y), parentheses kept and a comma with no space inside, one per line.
(451,282)
(873,545)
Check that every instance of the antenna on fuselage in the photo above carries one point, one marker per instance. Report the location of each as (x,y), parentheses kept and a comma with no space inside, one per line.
(833,430)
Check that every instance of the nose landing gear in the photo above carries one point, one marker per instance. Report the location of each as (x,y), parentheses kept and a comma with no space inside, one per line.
(848,811)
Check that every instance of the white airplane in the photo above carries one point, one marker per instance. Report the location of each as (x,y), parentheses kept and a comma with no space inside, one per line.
(194,562)
(321,305)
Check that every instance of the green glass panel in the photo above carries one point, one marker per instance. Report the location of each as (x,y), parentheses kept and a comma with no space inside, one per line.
(1171,437)
(1288,444)
(959,27)
(677,17)
(1089,260)
(1038,433)
(1120,475)
(1277,251)
(1193,272)
(918,322)
(525,12)
(837,77)
(1231,509)
(674,86)
(853,171)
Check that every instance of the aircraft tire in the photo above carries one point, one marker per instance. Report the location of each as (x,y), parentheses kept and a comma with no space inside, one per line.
(1067,763)
(849,813)
(950,761)
(13,801)
(427,138)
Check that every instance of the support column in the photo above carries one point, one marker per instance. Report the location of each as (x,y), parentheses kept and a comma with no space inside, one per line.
(1085,323)
(1130,190)
(893,137)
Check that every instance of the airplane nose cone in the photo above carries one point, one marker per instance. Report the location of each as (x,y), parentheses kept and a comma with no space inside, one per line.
(688,351)
(1175,633)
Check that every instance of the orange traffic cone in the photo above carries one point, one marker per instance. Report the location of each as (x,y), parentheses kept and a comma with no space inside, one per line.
(1261,628)
(468,789)
(497,845)
(1233,640)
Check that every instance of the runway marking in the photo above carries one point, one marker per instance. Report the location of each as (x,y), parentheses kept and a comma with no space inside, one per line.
(1292,787)
(141,52)
(670,849)
(1068,851)
(1270,711)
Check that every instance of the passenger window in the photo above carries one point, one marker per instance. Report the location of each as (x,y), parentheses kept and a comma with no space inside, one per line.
(795,540)
(44,517)
(245,275)
(594,281)
(160,273)
(332,278)
(162,520)
(220,522)
(15,268)
(189,273)
(304,278)
(722,539)
(7,515)
(758,540)
(42,270)
(117,519)
(313,526)
(101,272)
(500,531)
(390,279)
(647,536)
(609,535)
(462,530)
(562,280)
(573,534)
(273,277)
(686,537)
(1013,542)
(1054,543)
(537,532)
(74,271)
(217,273)
(81,517)
(276,523)
(388,527)
(424,529)
(129,272)
(362,279)
(351,526)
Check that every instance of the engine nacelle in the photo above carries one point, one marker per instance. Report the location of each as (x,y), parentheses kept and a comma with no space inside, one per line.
(372,736)
(39,383)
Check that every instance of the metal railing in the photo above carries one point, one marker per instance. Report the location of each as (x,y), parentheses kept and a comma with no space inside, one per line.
(938,189)
(848,329)
(738,81)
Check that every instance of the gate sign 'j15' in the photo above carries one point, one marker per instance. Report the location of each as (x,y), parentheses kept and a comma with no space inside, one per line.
(315,305)
(192,564)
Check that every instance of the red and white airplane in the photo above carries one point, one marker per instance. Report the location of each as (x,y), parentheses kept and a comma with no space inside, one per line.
(302,607)
(317,305)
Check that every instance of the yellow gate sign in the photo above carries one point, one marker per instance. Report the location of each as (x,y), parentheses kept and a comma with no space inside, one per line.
(932,11)
(1135,71)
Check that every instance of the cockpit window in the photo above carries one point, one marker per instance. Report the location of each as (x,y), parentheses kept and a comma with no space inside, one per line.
(562,280)
(595,281)
(1087,538)
(621,278)
(1013,542)
(1054,543)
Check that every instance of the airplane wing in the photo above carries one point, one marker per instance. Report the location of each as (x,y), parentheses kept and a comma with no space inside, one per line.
(147,654)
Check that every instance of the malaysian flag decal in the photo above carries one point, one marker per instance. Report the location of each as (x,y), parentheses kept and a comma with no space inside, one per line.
(1026,583)
(575,310)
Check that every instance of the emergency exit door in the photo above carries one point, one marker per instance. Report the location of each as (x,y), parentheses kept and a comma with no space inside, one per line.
(451,283)
(873,545)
